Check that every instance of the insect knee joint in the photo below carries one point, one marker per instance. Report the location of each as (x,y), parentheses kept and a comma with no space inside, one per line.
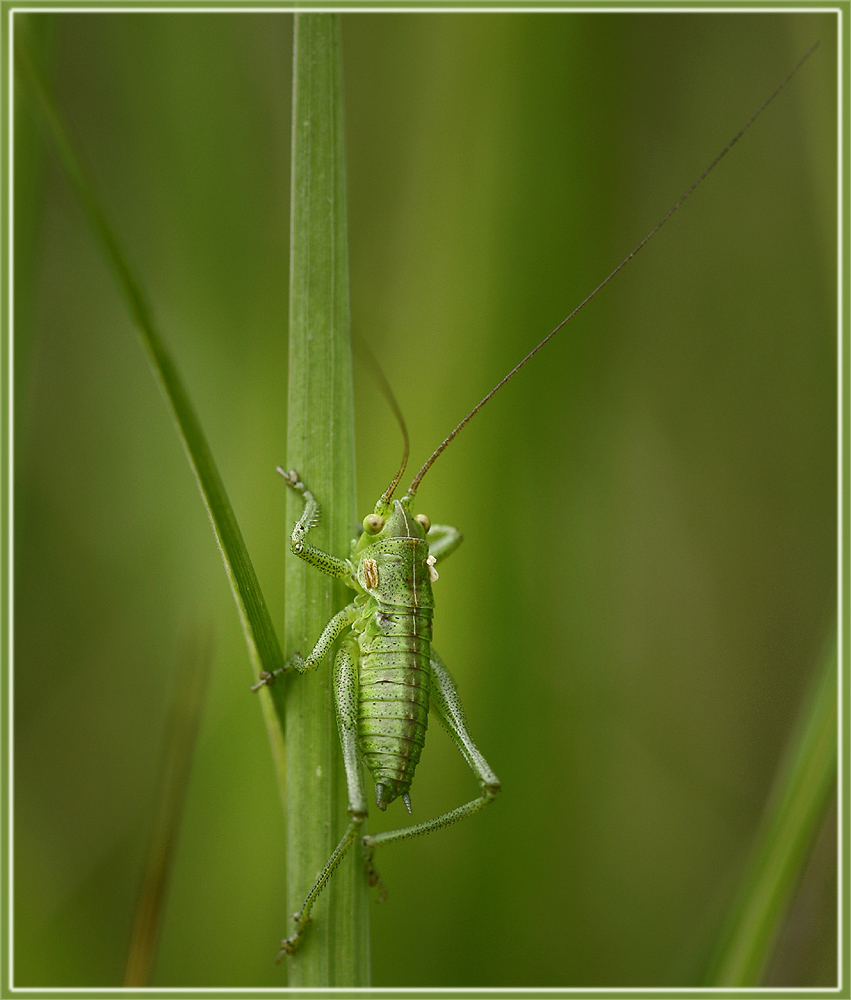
(299,663)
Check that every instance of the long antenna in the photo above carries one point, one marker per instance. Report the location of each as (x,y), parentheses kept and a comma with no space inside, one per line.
(412,489)
(378,374)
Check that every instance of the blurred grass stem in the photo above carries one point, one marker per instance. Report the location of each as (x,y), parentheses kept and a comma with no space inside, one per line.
(802,793)
(178,750)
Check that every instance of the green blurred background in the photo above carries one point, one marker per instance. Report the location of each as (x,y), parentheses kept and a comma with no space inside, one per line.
(648,579)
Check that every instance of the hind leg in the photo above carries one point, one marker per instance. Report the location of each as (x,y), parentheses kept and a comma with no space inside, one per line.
(346,701)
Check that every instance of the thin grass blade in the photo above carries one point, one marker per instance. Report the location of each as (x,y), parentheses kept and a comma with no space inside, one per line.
(178,750)
(803,791)
(264,649)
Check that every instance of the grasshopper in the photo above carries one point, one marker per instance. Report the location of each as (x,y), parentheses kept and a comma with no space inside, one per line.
(387,675)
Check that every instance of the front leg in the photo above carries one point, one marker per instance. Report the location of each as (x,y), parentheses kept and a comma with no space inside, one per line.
(330,564)
(341,569)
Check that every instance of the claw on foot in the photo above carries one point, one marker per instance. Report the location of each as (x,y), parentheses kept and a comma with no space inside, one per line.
(266,680)
(290,477)
(289,945)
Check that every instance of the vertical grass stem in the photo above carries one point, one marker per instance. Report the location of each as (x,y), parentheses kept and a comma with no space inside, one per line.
(320,445)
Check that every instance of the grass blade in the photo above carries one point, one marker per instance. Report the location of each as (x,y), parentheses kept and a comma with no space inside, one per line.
(320,445)
(801,795)
(263,645)
(184,717)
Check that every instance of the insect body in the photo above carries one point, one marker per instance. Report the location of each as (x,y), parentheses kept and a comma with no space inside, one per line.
(386,674)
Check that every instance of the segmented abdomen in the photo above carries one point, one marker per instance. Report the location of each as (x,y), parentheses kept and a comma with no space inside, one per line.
(393,694)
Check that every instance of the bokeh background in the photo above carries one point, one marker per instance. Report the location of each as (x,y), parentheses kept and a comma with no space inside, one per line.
(647,584)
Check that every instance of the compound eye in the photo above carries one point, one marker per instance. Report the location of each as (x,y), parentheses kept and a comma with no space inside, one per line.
(424,521)
(373,523)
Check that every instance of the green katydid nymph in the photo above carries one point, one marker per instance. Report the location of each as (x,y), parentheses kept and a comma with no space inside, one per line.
(387,675)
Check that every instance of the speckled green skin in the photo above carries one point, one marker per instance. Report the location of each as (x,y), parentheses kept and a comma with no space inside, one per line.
(387,676)
(393,633)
